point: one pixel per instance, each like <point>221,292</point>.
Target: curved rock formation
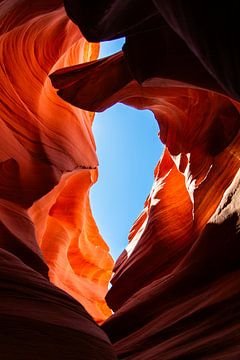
<point>70,242</point>
<point>166,38</point>
<point>176,286</point>
<point>48,164</point>
<point>180,271</point>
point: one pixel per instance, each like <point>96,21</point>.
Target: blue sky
<point>128,149</point>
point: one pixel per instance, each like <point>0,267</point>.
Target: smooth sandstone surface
<point>175,289</point>
<point>49,240</point>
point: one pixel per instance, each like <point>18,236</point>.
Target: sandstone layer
<point>175,289</point>
<point>52,255</point>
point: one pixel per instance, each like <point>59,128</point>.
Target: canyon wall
<point>175,289</point>
<point>48,164</point>
<point>182,261</point>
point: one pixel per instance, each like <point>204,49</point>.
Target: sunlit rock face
<point>186,240</point>
<point>48,164</point>
<point>201,159</point>
<point>175,289</point>
<point>75,252</point>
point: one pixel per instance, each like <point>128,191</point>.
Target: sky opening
<point>128,149</point>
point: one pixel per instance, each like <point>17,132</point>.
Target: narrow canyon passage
<point>128,149</point>
<point>175,291</point>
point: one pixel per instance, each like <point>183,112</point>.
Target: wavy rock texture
<point>187,237</point>
<point>176,286</point>
<point>78,257</point>
<point>48,164</point>
<point>180,271</point>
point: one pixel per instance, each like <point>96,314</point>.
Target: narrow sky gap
<point>128,149</point>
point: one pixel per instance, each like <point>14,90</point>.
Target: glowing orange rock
<point>48,164</point>
<point>181,267</point>
<point>187,238</point>
<point>176,287</point>
<point>69,239</point>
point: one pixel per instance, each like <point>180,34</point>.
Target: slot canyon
<point>175,288</point>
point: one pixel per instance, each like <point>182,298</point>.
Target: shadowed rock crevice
<point>176,286</point>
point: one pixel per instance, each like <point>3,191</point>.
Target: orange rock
<point>78,258</point>
<point>180,270</point>
<point>176,286</point>
<point>48,164</point>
